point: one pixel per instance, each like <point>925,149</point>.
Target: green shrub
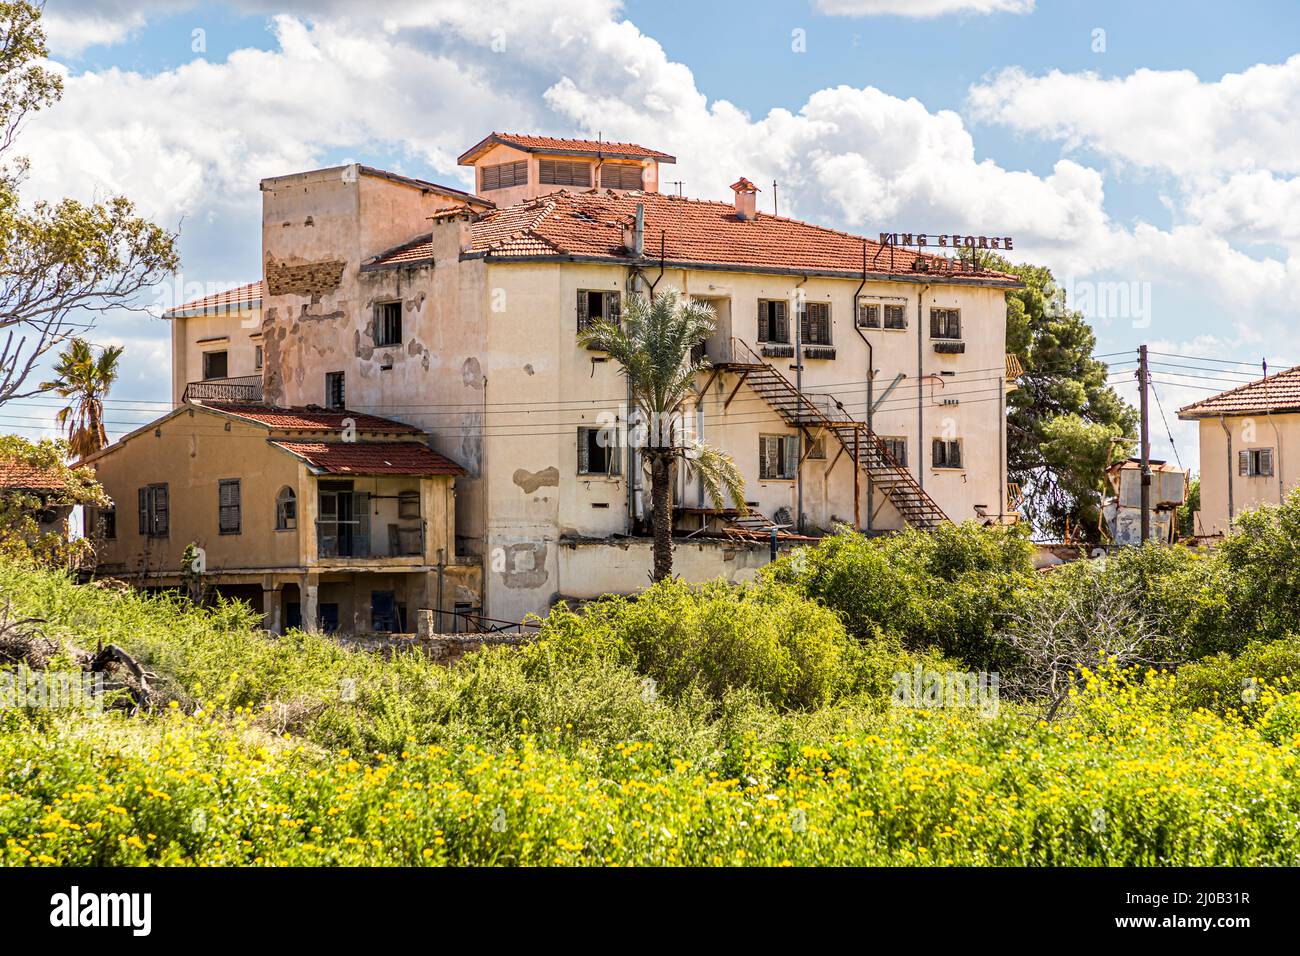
<point>1262,560</point>
<point>1281,722</point>
<point>1246,683</point>
<point>953,588</point>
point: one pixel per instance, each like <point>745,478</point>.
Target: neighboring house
<point>45,488</point>
<point>1250,447</point>
<point>459,315</point>
<point>333,518</point>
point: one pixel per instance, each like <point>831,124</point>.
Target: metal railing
<point>241,389</point>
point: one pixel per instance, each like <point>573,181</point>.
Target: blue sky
<point>1162,155</point>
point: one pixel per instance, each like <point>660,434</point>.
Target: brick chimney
<point>746,198</point>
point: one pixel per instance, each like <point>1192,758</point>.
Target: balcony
<point>242,390</point>
<point>383,525</point>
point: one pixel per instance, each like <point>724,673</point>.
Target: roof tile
<point>1276,393</point>
<point>312,419</point>
<point>372,458</point>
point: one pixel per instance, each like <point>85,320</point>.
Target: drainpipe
<point>871,378</point>
<point>798,387</point>
<point>920,399</point>
<point>1228,432</point>
<point>1277,458</point>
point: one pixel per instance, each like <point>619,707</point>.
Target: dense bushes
<point>953,589</point>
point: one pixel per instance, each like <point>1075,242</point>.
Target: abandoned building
<point>852,382</point>
<point>1248,435</point>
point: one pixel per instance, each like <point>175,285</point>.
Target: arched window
<point>286,509</point>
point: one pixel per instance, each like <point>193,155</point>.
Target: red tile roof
<point>553,144</point>
<point>1277,393</point>
<point>590,225</point>
<point>232,300</point>
<point>372,458</point>
<point>20,476</point>
<point>312,419</point>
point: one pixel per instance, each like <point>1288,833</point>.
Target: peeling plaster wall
<point>589,569</point>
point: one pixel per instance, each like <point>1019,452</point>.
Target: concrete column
<point>271,595</point>
<point>310,588</point>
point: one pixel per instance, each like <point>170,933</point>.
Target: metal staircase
<point>810,410</point>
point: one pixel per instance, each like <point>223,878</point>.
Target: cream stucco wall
<point>1219,468</point>
<point>237,332</point>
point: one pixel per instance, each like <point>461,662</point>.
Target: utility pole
<point>798,415</point>
<point>1144,378</point>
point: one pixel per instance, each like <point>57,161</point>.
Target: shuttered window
<point>877,315</point>
<point>598,452</point>
<point>815,323</point>
<point>388,323</point>
<point>773,325</point>
<point>895,316</point>
<point>945,323</point>
<point>556,172</point>
<point>620,176</point>
<point>228,509</point>
<point>1255,463</point>
<point>778,456</point>
<point>505,175</point>
<point>153,508</point>
<point>897,449</point>
<point>596,305</point>
<point>868,315</point>
<point>335,395</point>
<point>946,454</point>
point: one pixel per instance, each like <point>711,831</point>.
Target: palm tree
<point>84,378</point>
<point>653,346</point>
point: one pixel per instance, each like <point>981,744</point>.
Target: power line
<point>1168,432</point>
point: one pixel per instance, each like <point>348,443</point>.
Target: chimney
<point>746,198</point>
<point>634,232</point>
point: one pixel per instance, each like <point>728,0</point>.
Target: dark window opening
<point>383,611</point>
<point>945,323</point>
<point>100,523</point>
<point>772,323</point>
<point>946,453</point>
<point>897,449</point>
<point>598,452</point>
<point>778,456</point>
<point>215,364</point>
<point>596,306</point>
<point>257,357</point>
<point>286,510</point>
<point>154,511</point>
<point>335,396</point>
<point>815,323</point>
<point>388,323</point>
<point>228,506</point>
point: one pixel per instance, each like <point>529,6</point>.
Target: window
<point>215,364</point>
<point>257,357</point>
<point>946,454</point>
<point>153,511</point>
<point>335,396</point>
<point>408,504</point>
<point>876,315</point>
<point>388,323</point>
<point>556,172</point>
<point>897,449</point>
<point>772,324</point>
<point>228,506</point>
<point>945,323</point>
<point>778,456</point>
<point>815,323</point>
<point>286,509</point>
<point>620,176</point>
<point>595,306</point>
<point>383,611</point>
<point>1255,462</point>
<point>505,175</point>
<point>100,523</point>
<point>597,451</point>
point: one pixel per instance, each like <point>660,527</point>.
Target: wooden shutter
<point>228,507</point>
<point>1243,463</point>
<point>584,316</point>
<point>791,456</point>
<point>935,323</point>
<point>613,308</point>
<point>767,458</point>
<point>144,511</point>
<point>954,454</point>
<point>895,317</point>
<point>160,511</point>
<point>584,458</point>
<point>869,315</point>
<point>1266,461</point>
<point>937,454</point>
<point>361,508</point>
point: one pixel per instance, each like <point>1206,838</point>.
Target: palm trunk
<point>661,485</point>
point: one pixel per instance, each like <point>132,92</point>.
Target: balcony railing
<point>243,389</point>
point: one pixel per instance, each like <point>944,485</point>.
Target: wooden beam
<point>743,375</point>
